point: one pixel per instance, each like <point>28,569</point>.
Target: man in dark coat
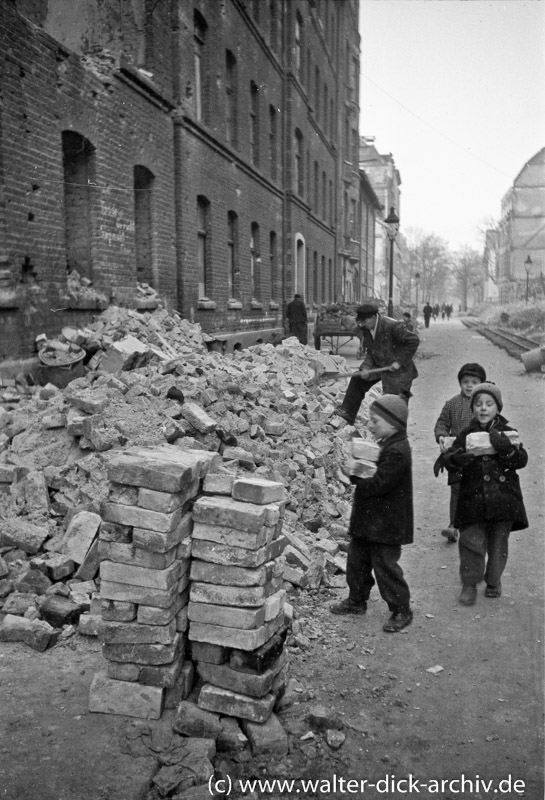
<point>427,311</point>
<point>296,314</point>
<point>387,343</point>
<point>382,519</point>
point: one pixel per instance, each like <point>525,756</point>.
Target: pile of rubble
<point>150,379</point>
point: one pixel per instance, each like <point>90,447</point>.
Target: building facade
<point>521,235</point>
<point>206,149</point>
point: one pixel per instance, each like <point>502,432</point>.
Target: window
<point>331,203</point>
<point>143,227</point>
<point>203,244</point>
<point>273,24</point>
<point>254,123</point>
<point>309,72</point>
<point>233,273</point>
<point>331,297</point>
<point>273,256</point>
<point>326,109</point>
<point>199,35</point>
<point>315,277</point>
<point>323,286</point>
<point>273,142</point>
<point>353,225</point>
<point>324,197</point>
<point>298,43</point>
<point>255,262</point>
<point>299,166</point>
<point>78,155</point>
<point>231,98</point>
<point>345,209</point>
<point>316,205</point>
<point>317,89</point>
<point>331,120</point>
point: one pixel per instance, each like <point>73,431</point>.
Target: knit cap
<point>393,408</point>
<point>487,388</point>
<point>366,310</point>
<point>474,370</point>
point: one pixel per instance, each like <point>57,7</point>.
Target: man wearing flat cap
<point>387,343</point>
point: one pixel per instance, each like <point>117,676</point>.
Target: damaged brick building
<point>207,149</point>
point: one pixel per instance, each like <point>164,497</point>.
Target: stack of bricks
<point>236,608</point>
<point>145,546</point>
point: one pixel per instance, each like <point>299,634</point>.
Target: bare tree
<point>468,271</point>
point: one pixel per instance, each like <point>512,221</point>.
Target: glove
<point>500,442</point>
<point>461,459</point>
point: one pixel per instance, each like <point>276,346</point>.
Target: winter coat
<point>392,342</point>
<point>489,486</point>
<point>455,415</point>
<point>382,510</point>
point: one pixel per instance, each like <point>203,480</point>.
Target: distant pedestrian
<point>427,311</point>
<point>382,519</point>
<point>490,503</point>
<point>456,415</point>
<point>296,314</point>
<point>448,311</point>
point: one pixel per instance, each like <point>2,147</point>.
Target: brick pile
<point>236,608</point>
<point>145,558</point>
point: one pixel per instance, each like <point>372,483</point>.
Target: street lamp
<point>416,280</point>
<point>392,227</point>
<point>527,266</point>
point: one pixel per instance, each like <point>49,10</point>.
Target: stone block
<point>266,738</point>
<point>22,534</point>
<point>59,611</point>
<point>136,517</point>
<point>206,651</point>
<point>252,596</point>
<point>89,624</point>
<point>230,513</point>
<point>90,564</point>
<point>183,686</point>
<point>258,490</point>
<point>194,721</point>
<point>31,580</point>
<point>110,532</point>
<point>226,575</point>
<point>227,554</point>
<point>135,633</point>
<point>142,595</point>
<point>150,615</point>
<point>164,675</point>
<point>227,616</point>
<point>117,611</point>
<point>149,654</point>
<point>163,468</point>
<point>158,542</point>
<point>248,683</point>
<point>135,556</point>
<point>55,565</point>
<point>80,535</point>
<point>184,549</point>
<point>182,620</point>
<point>234,537</point>
<point>231,739</point>
<point>126,495</point>
<point>141,576</point>
<point>18,603</point>
<point>123,672</point>
<point>36,633</point>
<point>218,483</point>
<point>166,502</point>
<point>274,604</point>
<point>222,701</point>
<point>107,696</point>
<point>249,640</point>
<point>198,418</point>
<point>261,659</point>
<point>91,401</point>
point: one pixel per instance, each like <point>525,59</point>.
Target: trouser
<point>427,322</point>
<point>364,559</point>
<point>479,540</point>
<point>454,492</point>
<point>299,329</point>
<point>358,388</point>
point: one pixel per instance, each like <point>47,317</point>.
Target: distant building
<point>206,149</point>
<point>386,181</point>
<point>521,233</point>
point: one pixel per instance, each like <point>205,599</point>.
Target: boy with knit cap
<point>490,503</point>
<point>454,417</point>
<point>382,519</point>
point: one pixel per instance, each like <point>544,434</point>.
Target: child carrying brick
<point>382,519</point>
<point>490,503</point>
<point>454,417</point>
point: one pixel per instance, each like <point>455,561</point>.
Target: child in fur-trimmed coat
<point>490,503</point>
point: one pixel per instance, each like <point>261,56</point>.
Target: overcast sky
<point>455,90</point>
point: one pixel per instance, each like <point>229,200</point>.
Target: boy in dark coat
<point>456,415</point>
<point>382,519</point>
<point>490,503</point>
